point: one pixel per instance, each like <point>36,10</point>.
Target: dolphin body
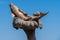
<point>18,12</point>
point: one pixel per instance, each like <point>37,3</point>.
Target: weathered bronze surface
<point>26,22</point>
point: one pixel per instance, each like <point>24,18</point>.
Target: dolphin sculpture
<point>28,23</point>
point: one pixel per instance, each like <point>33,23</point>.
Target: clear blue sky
<point>51,22</point>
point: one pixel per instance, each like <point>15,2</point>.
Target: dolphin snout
<point>11,4</point>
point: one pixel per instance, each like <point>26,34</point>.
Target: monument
<point>26,22</point>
